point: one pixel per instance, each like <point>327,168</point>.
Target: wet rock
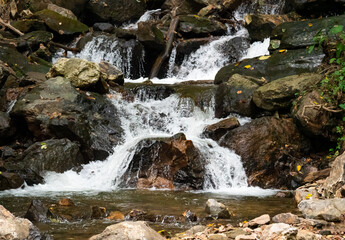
<point>30,177</point>
<point>190,216</point>
<point>279,94</point>
<point>279,65</point>
<point>116,216</point>
<point>59,23</point>
<point>217,209</point>
<point>104,27</point>
<point>35,38</point>
<point>29,25</point>
<point>187,46</point>
<point>111,74</point>
<point>217,130</point>
<point>200,26</point>
<point>307,235</point>
<point>62,11</point>
<point>14,60</point>
<point>12,227</point>
<point>6,128</point>
<point>195,229</point>
<point>235,96</point>
<point>287,218</point>
<point>328,209</point>
<point>55,109</point>
<point>97,212</point>
<point>314,176</point>
<point>260,26</point>
<point>259,221</point>
<point>128,231</point>
<point>333,186</point>
<point>155,92</point>
<point>57,155</point>
<point>10,180</point>
<point>118,11</point>
<point>307,29</point>
<point>315,122</point>
<point>279,231</point>
<point>265,145</point>
<point>37,212</point>
<point>66,202</point>
<point>151,36</point>
<point>165,162</point>
<point>136,215</point>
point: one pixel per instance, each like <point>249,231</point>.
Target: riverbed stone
<point>128,231</point>
<point>279,231</point>
<point>183,7</point>
<point>62,11</point>
<point>118,11</point>
<point>6,128</point>
<point>12,227</point>
<point>305,193</point>
<point>307,235</point>
<point>279,94</point>
<point>261,220</point>
<point>287,218</point>
<point>333,186</point>
<point>151,36</point>
<point>37,212</point>
<point>278,65</point>
<point>235,96</point>
<point>116,216</point>
<point>111,74</point>
<point>327,209</point>
<point>217,209</point>
<point>29,25</point>
<point>199,26</point>
<point>165,163</point>
<point>263,144</point>
<point>10,180</point>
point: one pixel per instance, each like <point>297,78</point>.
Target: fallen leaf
<point>315,103</point>
<point>310,24</point>
<point>282,50</point>
<point>239,92</point>
<point>309,195</point>
<point>299,168</point>
<point>264,57</point>
<point>236,64</point>
<point>247,66</point>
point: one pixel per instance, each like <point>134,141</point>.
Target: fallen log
<point>165,54</point>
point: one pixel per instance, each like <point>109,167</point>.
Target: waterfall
<point>171,64</point>
<point>148,15</point>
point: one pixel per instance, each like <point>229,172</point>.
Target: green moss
<point>60,23</point>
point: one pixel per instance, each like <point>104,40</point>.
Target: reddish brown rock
<point>116,215</point>
<point>217,130</point>
<point>66,202</point>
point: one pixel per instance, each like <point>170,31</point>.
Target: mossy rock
<point>193,24</point>
<point>59,23</point>
<point>38,37</point>
<point>278,65</point>
<point>28,25</point>
<point>287,32</point>
<point>14,59</point>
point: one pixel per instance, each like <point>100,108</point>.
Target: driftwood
<point>165,54</point>
<point>3,23</point>
<point>59,45</point>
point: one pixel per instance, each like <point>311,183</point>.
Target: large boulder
<point>279,94</point>
<point>200,26</point>
<point>118,11</point>
<point>235,96</point>
<point>10,180</point>
<point>12,227</point>
<point>18,62</point>
<point>57,155</point>
<point>165,163</point>
<point>328,209</point>
<point>216,130</point>
<point>315,8</point>
<point>278,231</point>
<point>182,7</point>
<point>314,121</point>
<point>278,65</point>
<point>150,36</point>
<point>334,184</point>
<point>128,231</point>
<point>55,109</point>
<point>60,24</point>
<point>266,145</point>
<point>7,129</point>
<point>307,30</point>
<point>29,25</point>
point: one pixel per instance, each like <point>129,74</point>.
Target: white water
<point>148,15</point>
<point>140,120</point>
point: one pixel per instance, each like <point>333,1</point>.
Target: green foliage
<point>333,85</point>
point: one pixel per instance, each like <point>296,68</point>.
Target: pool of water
<point>161,203</point>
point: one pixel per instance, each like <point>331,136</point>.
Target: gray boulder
<point>328,209</point>
<point>334,184</point>
<point>217,209</point>
<point>128,231</point>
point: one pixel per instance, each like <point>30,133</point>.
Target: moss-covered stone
<point>28,25</point>
<point>193,24</point>
<point>37,37</point>
<point>14,59</point>
<point>280,64</point>
<point>59,23</point>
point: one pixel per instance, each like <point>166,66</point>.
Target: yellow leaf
<point>247,66</point>
<point>310,24</point>
<point>236,64</point>
<point>44,147</point>
<point>282,50</point>
<point>309,195</point>
<point>161,231</point>
<point>239,92</point>
<point>244,222</point>
<point>315,103</point>
<point>264,57</point>
<point>299,168</point>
